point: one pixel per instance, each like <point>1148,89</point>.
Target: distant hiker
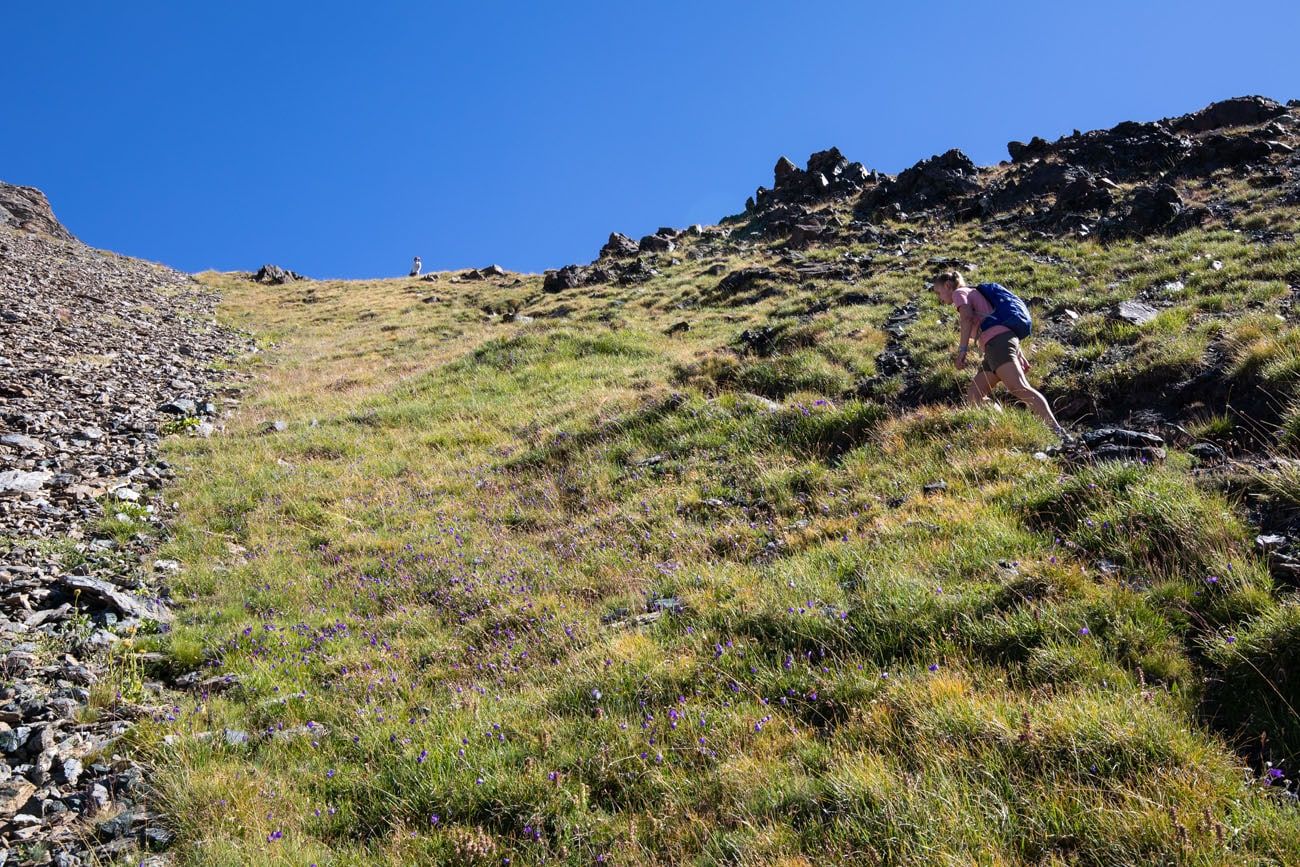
<point>416,266</point>
<point>999,320</point>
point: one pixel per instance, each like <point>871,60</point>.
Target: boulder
<point>568,277</point>
<point>786,174</point>
<point>619,246</point>
<point>1157,208</point>
<point>803,234</point>
<point>111,596</point>
<point>1220,150</point>
<point>484,273</point>
<point>1021,152</point>
<point>1085,191</point>
<point>656,244</point>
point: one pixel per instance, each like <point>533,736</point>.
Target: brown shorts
<point>999,350</point>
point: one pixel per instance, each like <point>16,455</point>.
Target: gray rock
<point>20,481</point>
<point>110,595</point>
<point>69,771</point>
<point>1135,312</point>
<point>23,443</point>
<point>180,406</point>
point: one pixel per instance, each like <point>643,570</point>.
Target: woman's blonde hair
<point>953,277</point>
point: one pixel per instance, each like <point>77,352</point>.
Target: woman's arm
<point>968,325</point>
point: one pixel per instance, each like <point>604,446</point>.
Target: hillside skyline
<point>347,146</point>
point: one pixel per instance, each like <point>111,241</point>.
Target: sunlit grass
<point>572,589</point>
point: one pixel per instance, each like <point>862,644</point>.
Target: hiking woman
<point>998,319</point>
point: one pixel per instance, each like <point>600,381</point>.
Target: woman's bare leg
<point>1013,377</point>
<point>981,387</point>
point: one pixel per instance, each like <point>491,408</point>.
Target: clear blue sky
<point>342,138</point>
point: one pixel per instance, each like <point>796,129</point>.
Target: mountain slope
<point>684,556</point>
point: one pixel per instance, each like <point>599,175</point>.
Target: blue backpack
<point>1008,310</point>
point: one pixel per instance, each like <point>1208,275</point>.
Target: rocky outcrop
<point>619,246</point>
<point>26,208</point>
<point>828,175</point>
<point>274,275</point>
<point>575,276</point>
<point>489,272</point>
<point>1158,208</point>
<point>101,353</point>
<point>1239,111</point>
<point>949,180</point>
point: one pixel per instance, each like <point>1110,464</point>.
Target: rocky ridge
<point>101,355</point>
<point>1126,181</point>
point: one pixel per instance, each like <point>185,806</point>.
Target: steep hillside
<point>687,555</point>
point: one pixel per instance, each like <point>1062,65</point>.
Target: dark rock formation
<point>656,243</point>
<point>1239,111</point>
<point>828,175</point>
<point>274,275</point>
<point>1152,209</point>
<point>619,246</point>
<point>949,180</point>
<point>484,273</point>
<point>27,208</point>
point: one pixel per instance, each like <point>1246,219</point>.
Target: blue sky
<point>340,139</point>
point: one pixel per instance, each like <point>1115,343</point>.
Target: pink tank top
<point>981,307</point>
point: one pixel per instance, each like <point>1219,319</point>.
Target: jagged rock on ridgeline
<point>28,209</point>
<point>656,243</point>
<point>1238,111</point>
<point>828,175</point>
<point>568,277</point>
<point>274,275</point>
<point>619,246</point>
<point>484,273</point>
<point>949,180</point>
<point>1021,152</point>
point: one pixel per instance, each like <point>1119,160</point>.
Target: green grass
<point>574,590</point>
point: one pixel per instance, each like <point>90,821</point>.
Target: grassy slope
<point>425,583</point>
